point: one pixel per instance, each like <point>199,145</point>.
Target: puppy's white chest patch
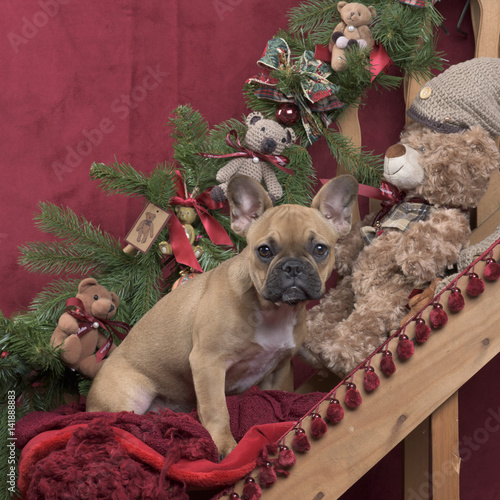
<point>273,342</point>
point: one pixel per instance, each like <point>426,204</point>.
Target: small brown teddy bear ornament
<point>440,168</point>
<point>79,338</point>
<point>263,136</point>
<point>352,31</point>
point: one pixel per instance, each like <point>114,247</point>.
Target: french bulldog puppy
<point>237,325</point>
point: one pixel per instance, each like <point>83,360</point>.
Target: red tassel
<point>370,380</point>
<point>352,397</point>
<point>492,270</point>
<point>286,457</point>
<point>318,426</point>
<point>251,490</point>
<point>387,364</point>
<point>438,317</point>
<point>456,301</point>
<point>475,286</point>
<point>334,412</point>
<point>405,347</point>
<point>267,475</point>
<point>422,331</point>
<point>300,443</point>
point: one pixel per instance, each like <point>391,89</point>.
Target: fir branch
<point>49,304</point>
<point>116,178</point>
<point>55,258</point>
<point>119,178</point>
<point>297,187</point>
<point>161,186</point>
<point>366,167</point>
<point>311,15</point>
<point>146,283</point>
<point>66,225</point>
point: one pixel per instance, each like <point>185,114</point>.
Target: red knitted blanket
<point>69,453</point>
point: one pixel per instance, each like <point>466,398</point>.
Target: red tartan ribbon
<point>181,247</point>
<point>86,322</point>
<point>278,161</point>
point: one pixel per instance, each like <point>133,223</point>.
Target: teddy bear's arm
<point>347,248</point>
<point>429,247</point>
<point>273,186</point>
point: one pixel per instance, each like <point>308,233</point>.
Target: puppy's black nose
<point>293,268</point>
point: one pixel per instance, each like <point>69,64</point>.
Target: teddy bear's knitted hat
<point>464,95</point>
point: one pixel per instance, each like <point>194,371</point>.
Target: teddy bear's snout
<point>268,145</point>
<point>395,151</point>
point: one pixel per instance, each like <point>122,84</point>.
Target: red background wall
<point>85,81</point>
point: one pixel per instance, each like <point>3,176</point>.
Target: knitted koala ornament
<point>437,172</point>
<point>263,136</point>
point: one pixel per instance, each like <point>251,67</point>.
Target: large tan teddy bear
<point>263,136</point>
<point>78,352</point>
<point>443,164</point>
<point>353,30</point>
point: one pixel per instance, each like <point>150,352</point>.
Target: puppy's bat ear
<point>248,200</point>
<point>336,199</point>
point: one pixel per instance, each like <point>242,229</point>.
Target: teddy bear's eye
<point>263,129</point>
<point>96,297</point>
<point>283,140</point>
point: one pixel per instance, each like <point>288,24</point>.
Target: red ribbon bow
<point>86,322</point>
<point>278,161</point>
<point>181,247</point>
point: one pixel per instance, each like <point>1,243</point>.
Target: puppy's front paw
<point>225,444</point>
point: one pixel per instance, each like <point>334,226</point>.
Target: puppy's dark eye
<point>96,297</point>
<point>264,252</point>
<point>320,250</point>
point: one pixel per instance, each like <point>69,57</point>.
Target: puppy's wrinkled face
<point>291,253</point>
<point>290,247</point>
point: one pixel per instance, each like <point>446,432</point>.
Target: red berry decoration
<point>422,331</point>
<point>5,354</point>
<point>405,347</point>
<point>318,426</point>
<point>475,286</point>
<point>287,114</point>
<point>267,475</point>
<point>251,490</point>
<point>334,412</point>
<point>300,443</point>
<point>456,300</point>
<point>492,270</point>
<point>371,380</point>
<point>352,397</point>
<point>286,457</point>
<point>438,317</point>
<point>387,363</point>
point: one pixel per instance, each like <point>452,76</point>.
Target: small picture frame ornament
<point>147,227</point>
